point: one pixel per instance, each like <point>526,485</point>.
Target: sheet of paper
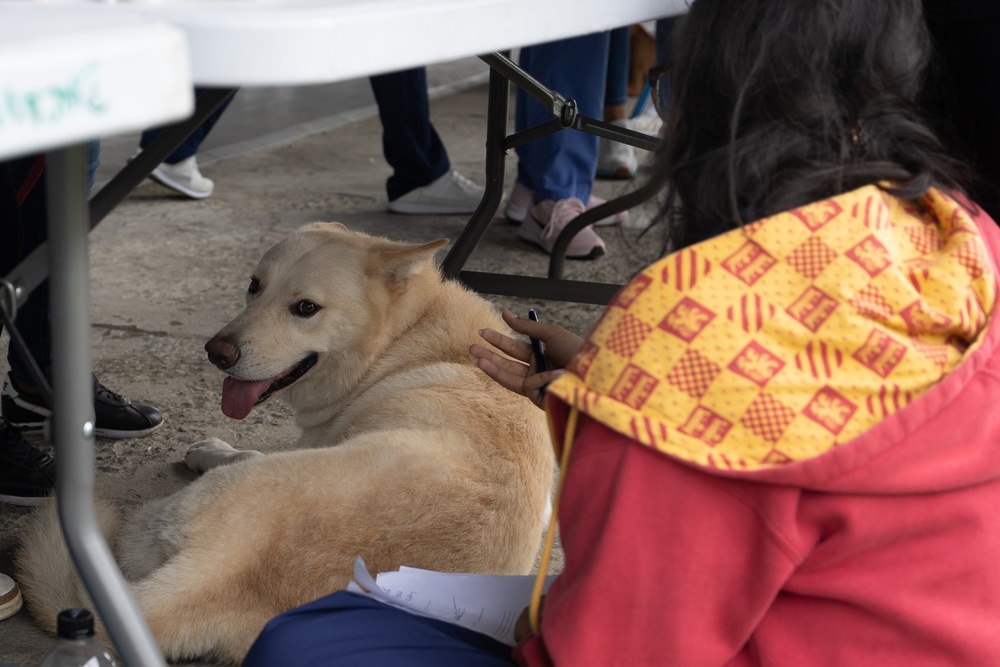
<point>486,603</point>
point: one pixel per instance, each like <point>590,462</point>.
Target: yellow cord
<point>550,537</point>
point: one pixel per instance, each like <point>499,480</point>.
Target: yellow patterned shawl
<point>777,342</point>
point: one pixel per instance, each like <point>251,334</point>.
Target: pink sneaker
<point>521,198</point>
<point>545,220</point>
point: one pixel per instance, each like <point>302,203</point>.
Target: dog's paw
<point>212,453</point>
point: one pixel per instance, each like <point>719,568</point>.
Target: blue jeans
<point>410,143</point>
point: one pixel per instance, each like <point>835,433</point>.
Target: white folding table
<point>140,71</point>
<point>290,42</point>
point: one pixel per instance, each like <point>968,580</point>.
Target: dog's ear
<point>396,262</point>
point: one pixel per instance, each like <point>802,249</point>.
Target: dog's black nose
<point>222,353</point>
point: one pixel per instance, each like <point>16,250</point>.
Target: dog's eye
<point>305,308</point>
<point>254,286</point>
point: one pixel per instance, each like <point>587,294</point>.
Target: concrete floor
<point>167,272</point>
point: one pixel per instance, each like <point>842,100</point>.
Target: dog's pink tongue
<point>239,396</point>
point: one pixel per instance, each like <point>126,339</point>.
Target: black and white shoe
<point>117,416</point>
<point>27,474</point>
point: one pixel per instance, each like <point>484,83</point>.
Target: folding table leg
<point>503,72</point>
<point>496,131</point>
<point>73,410</point>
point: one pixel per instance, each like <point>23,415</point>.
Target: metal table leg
<point>73,410</point>
<point>503,71</point>
<point>496,130</point>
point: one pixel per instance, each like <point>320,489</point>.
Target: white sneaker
<point>185,178</point>
<point>615,159</point>
<point>547,219</point>
<point>521,199</point>
<point>449,194</point>
<point>10,597</point>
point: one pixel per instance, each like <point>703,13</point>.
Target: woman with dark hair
<point>793,102</point>
<point>778,446</point>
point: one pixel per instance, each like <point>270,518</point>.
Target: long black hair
<point>778,103</point>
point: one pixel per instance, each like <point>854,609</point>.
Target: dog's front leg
<point>212,453</point>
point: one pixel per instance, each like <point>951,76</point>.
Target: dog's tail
<point>44,569</point>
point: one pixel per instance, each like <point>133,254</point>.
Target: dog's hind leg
<point>212,453</point>
<point>202,613</point>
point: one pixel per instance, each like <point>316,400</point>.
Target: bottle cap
<point>75,623</point>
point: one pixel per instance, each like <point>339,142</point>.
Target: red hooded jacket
<point>881,551</point>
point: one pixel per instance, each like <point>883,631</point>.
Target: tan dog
<point>409,455</point>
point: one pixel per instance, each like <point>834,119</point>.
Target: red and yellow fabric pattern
<point>777,342</point>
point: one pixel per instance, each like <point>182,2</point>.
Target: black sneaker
<point>27,474</point>
<point>117,416</point>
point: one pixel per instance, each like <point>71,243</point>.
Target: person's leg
<point>616,86</point>
<point>410,143</point>
<point>351,630</point>
<point>32,319</point>
<point>664,43</point>
<point>33,315</point>
<point>11,231</point>
<point>522,195</point>
<point>21,404</point>
<point>27,474</point>
<point>180,170</point>
<point>562,165</point>
<point>615,159</point>
<point>190,146</point>
<point>422,180</point>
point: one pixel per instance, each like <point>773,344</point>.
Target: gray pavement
<point>168,272</point>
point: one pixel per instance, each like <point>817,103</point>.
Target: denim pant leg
<point>562,165</point>
<point>410,143</point>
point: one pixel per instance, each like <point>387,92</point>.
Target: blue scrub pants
<point>563,164</point>
<point>350,630</point>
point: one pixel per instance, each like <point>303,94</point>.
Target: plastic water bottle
<point>75,645</point>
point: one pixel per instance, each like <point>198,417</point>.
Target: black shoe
<point>27,474</point>
<point>117,416</point>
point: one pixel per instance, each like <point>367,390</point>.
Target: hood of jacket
<point>844,346</point>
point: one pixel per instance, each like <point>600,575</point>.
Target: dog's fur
<point>409,455</point>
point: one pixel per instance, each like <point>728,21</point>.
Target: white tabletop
<point>291,42</point>
<point>68,75</point>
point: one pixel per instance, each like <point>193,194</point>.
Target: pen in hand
<point>536,348</point>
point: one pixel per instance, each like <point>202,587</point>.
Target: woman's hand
<point>516,369</point>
